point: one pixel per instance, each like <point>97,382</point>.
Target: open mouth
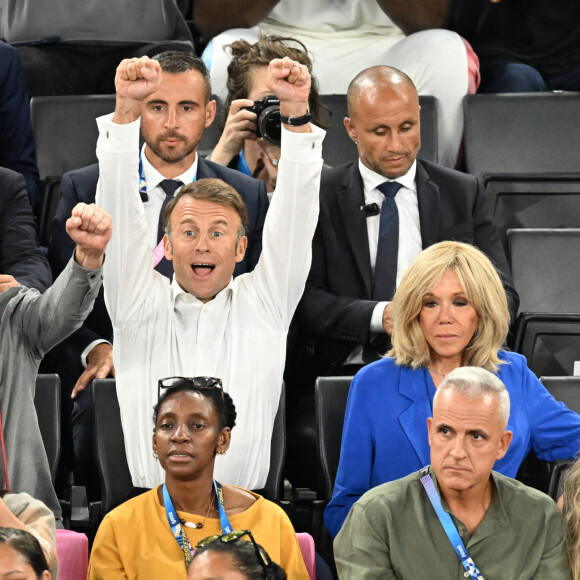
<point>202,269</point>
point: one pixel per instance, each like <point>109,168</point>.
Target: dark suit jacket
<point>20,254</point>
<point>81,186</point>
<point>17,150</point>
<point>336,308</point>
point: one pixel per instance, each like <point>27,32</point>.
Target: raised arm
<point>287,238</point>
<point>128,271</point>
<point>47,319</point>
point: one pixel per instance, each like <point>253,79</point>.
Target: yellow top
<point>135,540</point>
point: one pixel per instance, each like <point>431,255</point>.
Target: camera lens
<point>270,126</point>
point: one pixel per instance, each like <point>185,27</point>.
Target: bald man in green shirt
<point>456,518</point>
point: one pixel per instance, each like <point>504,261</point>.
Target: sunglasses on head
<point>234,536</point>
<point>191,382</point>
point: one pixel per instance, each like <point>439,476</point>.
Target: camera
<point>269,124</point>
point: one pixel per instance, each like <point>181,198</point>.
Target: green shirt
<point>392,531</point>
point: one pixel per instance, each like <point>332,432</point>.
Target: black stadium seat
<point>522,133</point>
<point>330,396</point>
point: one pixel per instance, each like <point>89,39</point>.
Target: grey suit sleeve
<point>47,319</point>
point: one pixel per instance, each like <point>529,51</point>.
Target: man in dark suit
<point>17,150</point>
<point>359,256</point>
<point>20,254</point>
<point>172,123</point>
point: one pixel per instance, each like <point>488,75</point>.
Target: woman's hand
<point>267,165</point>
<point>240,125</point>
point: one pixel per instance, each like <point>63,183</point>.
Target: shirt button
<point>466,574</point>
<point>203,345</point>
<point>461,534</point>
<point>205,310</point>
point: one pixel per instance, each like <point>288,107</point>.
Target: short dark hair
<point>214,190</point>
<point>246,55</point>
<point>175,62</point>
<point>244,558</point>
<point>223,405</point>
<point>27,546</point>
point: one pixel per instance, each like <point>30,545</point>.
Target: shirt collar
<point>371,179</point>
<point>154,178</point>
<point>177,292</point>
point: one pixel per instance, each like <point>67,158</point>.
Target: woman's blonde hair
<point>571,514</point>
<point>483,288</point>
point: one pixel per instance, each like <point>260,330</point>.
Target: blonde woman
<point>449,310</point>
<point>571,512</point>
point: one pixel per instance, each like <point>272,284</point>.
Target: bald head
<point>383,121</point>
<point>373,82</point>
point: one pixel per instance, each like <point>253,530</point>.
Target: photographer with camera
<point>250,140</point>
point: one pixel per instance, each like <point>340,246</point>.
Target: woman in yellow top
<point>152,536</point>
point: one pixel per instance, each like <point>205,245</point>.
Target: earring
<point>155,456</point>
<point>221,453</point>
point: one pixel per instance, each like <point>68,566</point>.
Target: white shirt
<point>239,336</point>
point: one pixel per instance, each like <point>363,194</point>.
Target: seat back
<point>308,550</point>
<point>72,549</point>
<point>339,148</point>
<point>47,405</point>
<point>564,389</point>
<point>274,483</point>
<point>330,396</point>
<point>65,131</point>
<point>109,446</point>
<point>521,133</point>
<point>550,342</point>
<point>544,269</point>
<point>546,201</point>
<point>111,459</point>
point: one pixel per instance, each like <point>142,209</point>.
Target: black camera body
<point>269,123</point>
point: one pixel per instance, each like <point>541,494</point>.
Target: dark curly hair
<point>244,560</point>
<point>224,406</point>
<point>245,56</point>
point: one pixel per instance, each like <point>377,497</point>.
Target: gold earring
<point>155,456</point>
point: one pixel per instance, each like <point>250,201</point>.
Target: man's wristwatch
<point>296,121</point>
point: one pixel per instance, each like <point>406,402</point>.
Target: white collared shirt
<point>156,195</point>
<point>239,336</point>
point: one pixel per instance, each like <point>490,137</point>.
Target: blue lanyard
<point>177,527</point>
<point>143,183</point>
<point>449,527</point>
<point>243,164</point>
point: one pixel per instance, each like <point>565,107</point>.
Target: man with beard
<point>173,120</point>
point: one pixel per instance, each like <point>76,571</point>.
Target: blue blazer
<point>385,430</point>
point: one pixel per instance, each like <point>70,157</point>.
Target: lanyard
<point>243,164</point>
<point>177,527</point>
<point>449,527</point>
<point>158,252</point>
